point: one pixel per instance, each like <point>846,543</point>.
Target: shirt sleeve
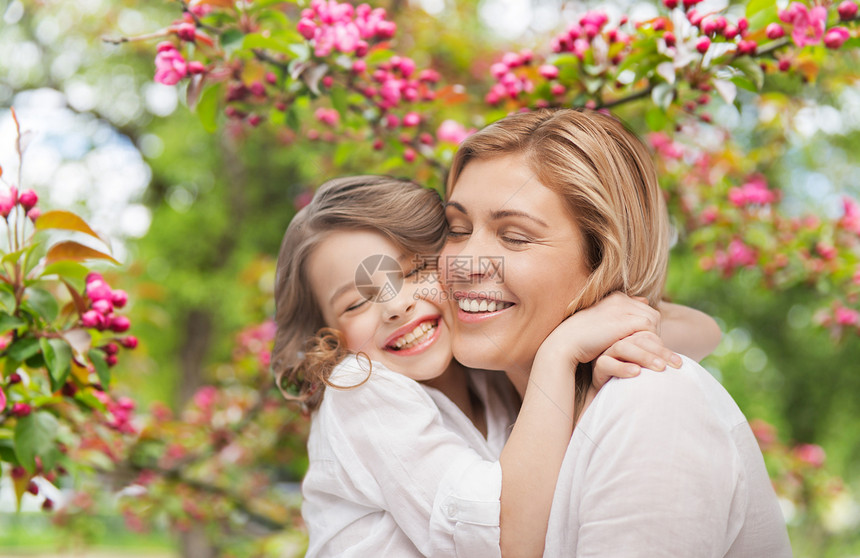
<point>390,435</point>
<point>665,479</point>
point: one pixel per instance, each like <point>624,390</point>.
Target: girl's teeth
<point>417,335</point>
<point>483,306</point>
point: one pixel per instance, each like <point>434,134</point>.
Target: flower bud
<point>119,298</point>
<point>69,389</point>
<point>34,214</point>
<point>98,290</point>
<point>14,378</point>
<point>409,155</point>
<point>548,71</point>
<point>111,360</point>
<point>28,199</point>
<point>103,307</point>
<point>670,4</point>
<point>774,31</point>
<point>21,409</point>
<point>18,472</point>
<point>91,318</point>
<point>110,348</point>
<point>33,488</point>
<point>834,38</point>
<point>129,342</point>
<point>847,10</point>
<point>747,47</point>
<point>119,324</point>
<point>307,28</point>
<point>703,44</point>
<point>411,119</point>
<point>186,31</point>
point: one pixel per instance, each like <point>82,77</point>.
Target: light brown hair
<point>608,181</point>
<point>407,214</point>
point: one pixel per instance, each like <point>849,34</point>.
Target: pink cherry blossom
<point>754,192</point>
<point>851,218</point>
<point>811,454</point>
<point>329,117</point>
<point>453,132</point>
<point>170,66</point>
<point>846,316</point>
<point>7,202</point>
<point>808,24</point>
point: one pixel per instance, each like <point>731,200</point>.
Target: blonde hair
<point>606,176</point>
<point>407,214</point>
<point>607,179</point>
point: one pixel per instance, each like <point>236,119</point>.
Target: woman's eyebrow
<point>502,213</point>
<point>456,206</point>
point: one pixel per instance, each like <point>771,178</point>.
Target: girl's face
<point>513,245</point>
<point>369,290</point>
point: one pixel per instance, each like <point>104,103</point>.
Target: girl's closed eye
<point>356,305</point>
<point>458,233</point>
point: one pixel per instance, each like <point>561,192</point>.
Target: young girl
<point>398,467</point>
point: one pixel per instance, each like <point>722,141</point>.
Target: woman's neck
<point>454,384</point>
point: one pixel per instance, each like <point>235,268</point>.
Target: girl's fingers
<point>606,367</point>
<point>652,343</point>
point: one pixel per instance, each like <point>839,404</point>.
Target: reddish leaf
<point>65,220</point>
<point>80,303</point>
<point>70,250</point>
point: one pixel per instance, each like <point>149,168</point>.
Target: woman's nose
<point>471,262</point>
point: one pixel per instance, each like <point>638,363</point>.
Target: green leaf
<point>7,297</point>
<point>35,435</point>
<point>338,100</point>
<point>751,69</point>
<point>102,369</point>
<point>231,39</point>
<point>67,269</point>
<point>8,322</point>
<point>207,108</point>
<point>656,118</point>
<point>22,349</point>
<point>257,41</point>
<point>58,359</point>
<point>293,120</point>
<point>43,302</point>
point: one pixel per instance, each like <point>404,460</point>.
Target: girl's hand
<point>605,329</point>
<point>626,357</point>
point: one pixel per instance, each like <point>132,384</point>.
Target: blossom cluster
<point>27,200</point>
<point>331,25</point>
<point>171,66</point>
<point>100,314</point>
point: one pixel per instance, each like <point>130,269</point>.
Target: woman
<point>549,212</point>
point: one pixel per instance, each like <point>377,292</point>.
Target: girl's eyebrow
<point>402,259</point>
<point>342,289</point>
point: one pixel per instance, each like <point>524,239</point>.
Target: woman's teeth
<point>421,333</point>
<point>482,305</point>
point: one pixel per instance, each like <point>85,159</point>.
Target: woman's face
<point>371,292</point>
<point>513,262</point>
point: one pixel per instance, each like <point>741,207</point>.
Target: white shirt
<point>665,465</point>
<point>396,469</point>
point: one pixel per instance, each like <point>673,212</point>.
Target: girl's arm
<point>533,455</point>
<point>688,331</point>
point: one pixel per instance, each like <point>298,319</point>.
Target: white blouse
<point>665,465</point>
<point>396,469</point>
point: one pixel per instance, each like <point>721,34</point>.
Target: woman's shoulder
<point>688,393</point>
